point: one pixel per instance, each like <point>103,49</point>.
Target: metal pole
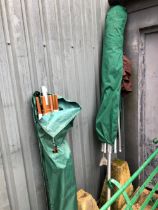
<point>103,147</point>
<point>115,146</point>
<point>109,153</point>
<point>119,134</point>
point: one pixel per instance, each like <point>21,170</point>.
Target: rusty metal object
<point>127,70</point>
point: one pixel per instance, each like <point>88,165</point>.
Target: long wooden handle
<point>50,103</point>
<point>38,106</point>
<point>44,105</point>
<point>55,103</point>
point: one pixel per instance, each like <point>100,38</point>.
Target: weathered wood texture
<point>56,43</point>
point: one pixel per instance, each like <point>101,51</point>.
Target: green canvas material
<point>58,168</point>
<point>112,72</point>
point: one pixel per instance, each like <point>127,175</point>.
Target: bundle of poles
<point>46,103</point>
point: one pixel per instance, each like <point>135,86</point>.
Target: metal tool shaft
<point>109,153</point>
<point>119,134</point>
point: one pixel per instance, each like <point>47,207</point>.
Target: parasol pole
<point>109,154</point>
<point>119,133</point>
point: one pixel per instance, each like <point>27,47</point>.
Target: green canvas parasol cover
<point>112,71</point>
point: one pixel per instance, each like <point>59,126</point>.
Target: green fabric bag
<point>58,168</point>
<point>112,72</point>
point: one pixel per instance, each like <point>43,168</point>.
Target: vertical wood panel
<point>56,43</point>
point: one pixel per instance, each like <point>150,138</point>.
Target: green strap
<point>155,205</point>
<point>118,185</point>
<point>149,197</point>
<point>141,189</point>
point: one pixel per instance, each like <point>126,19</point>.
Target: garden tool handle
<point>39,110</point>
<point>50,103</point>
<point>55,103</point>
<point>44,106</point>
<point>38,106</point>
<point>45,93</point>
